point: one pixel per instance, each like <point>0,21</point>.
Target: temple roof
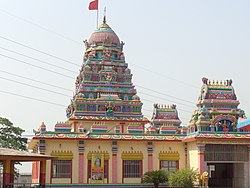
<point>22,155</point>
<point>103,33</point>
<point>165,114</point>
<point>217,90</point>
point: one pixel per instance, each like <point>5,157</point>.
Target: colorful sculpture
<point>217,108</point>
<point>165,120</point>
<point>103,87</point>
<point>204,179</point>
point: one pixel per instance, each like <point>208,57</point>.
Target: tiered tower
<point>217,108</point>
<point>165,120</point>
<point>103,88</point>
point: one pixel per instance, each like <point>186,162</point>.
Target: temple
<point>107,140</point>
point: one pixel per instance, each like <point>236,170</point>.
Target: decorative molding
<point>150,148</point>
<point>62,155</point>
<point>169,155</point>
<point>201,148</point>
<point>81,147</point>
<point>132,155</point>
<point>106,154</point>
<point>42,147</point>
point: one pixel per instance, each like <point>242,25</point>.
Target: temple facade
<point>107,140</point>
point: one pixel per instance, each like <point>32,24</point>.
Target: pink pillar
<point>35,171</point>
<point>81,168</point>
<point>150,162</point>
<point>201,164</point>
<point>114,168</point>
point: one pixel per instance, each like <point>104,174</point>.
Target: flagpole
<point>97,12</point>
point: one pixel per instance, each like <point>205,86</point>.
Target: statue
<point>109,109</point>
<point>92,54</point>
<point>108,78</point>
<point>204,179</point>
<point>86,44</point>
<point>122,57</point>
<point>70,110</point>
<point>173,106</point>
<point>122,44</point>
<point>204,80</point>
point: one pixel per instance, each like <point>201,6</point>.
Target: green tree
<point>11,136</point>
<point>184,178</point>
<point>155,177</point>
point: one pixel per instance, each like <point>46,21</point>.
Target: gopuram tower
<point>103,88</point>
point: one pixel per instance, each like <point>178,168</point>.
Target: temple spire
<point>104,17</point>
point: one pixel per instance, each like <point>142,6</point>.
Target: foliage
<point>11,136</point>
<point>156,177</point>
<point>183,177</point>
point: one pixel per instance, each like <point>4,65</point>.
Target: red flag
<point>93,5</point>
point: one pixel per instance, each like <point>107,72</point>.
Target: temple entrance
<point>227,165</point>
<point>220,175</point>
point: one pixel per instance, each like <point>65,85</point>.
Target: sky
<point>169,47</point>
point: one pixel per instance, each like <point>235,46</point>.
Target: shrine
<point>107,140</point>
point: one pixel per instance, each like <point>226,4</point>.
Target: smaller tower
<point>217,108</point>
<point>165,120</point>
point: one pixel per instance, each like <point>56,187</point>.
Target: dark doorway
<point>221,175</point>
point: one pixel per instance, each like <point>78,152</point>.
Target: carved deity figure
<point>70,110</point>
<point>106,54</point>
<point>86,44</point>
<point>122,57</point>
<point>122,44</point>
<point>108,78</point>
<point>109,109</point>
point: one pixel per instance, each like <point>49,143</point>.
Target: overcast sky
<point>169,46</point>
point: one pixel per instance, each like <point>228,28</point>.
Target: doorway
<point>221,175</point>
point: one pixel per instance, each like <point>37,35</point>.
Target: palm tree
<point>156,177</point>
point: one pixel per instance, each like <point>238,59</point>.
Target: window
<point>61,169</point>
<point>132,168</point>
<point>169,166</point>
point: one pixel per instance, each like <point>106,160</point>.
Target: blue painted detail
<point>135,131</point>
<point>98,131</point>
<point>243,124</point>
<point>63,130</point>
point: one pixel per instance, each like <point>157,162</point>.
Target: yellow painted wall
<point>61,145</point>
<point>168,146</point>
<point>61,180</point>
<point>48,170</point>
<point>123,146</point>
<point>192,154</point>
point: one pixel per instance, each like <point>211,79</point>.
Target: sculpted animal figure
<point>204,179</point>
